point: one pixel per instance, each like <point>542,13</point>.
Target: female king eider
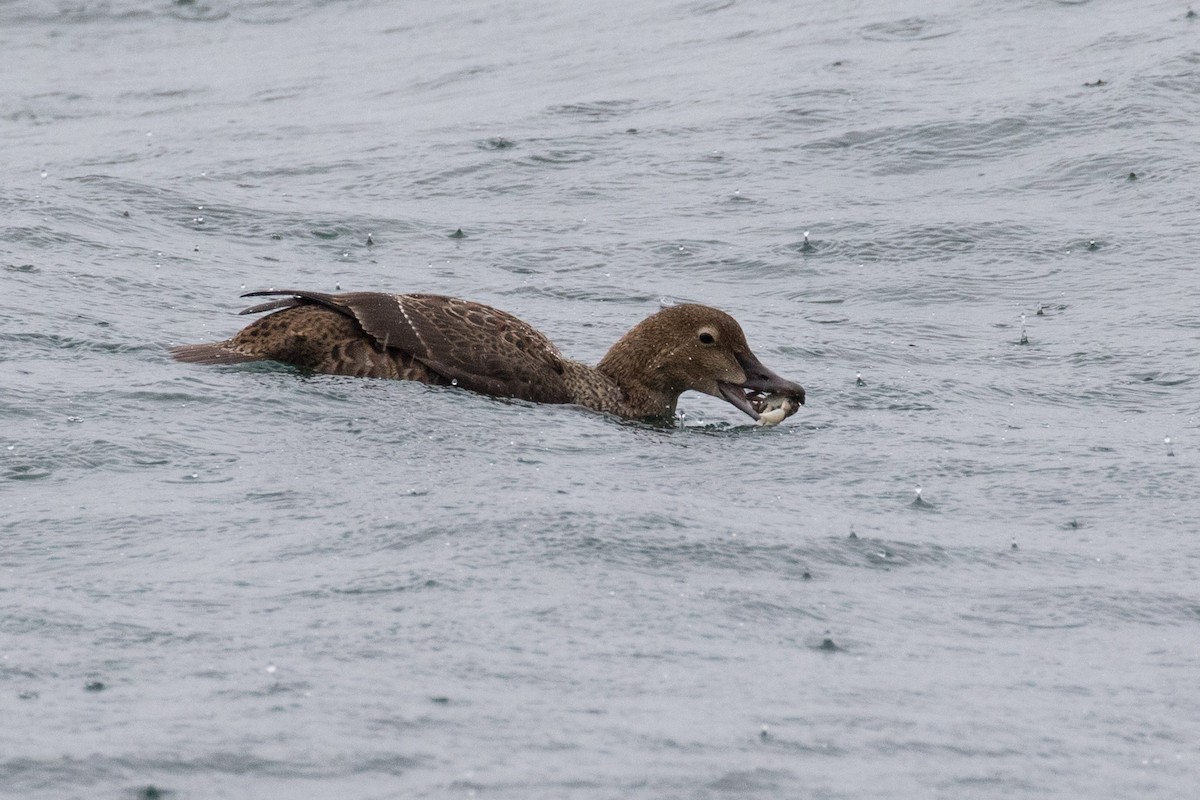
<point>447,341</point>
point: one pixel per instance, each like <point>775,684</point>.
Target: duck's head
<point>699,348</point>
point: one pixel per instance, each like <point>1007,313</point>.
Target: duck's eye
<point>707,338</point>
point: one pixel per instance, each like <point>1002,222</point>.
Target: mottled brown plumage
<point>447,341</point>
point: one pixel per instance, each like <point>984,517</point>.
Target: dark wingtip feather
<point>273,305</point>
<point>289,298</point>
<point>218,353</point>
<point>265,293</point>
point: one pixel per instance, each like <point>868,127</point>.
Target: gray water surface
<point>968,228</point>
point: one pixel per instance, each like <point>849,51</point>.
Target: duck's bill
<point>764,394</point>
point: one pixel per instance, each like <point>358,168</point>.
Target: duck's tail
<point>215,353</point>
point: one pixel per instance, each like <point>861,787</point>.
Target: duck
<point>447,341</point>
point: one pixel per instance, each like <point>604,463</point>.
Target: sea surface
<point>968,568</point>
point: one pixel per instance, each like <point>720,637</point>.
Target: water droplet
<point>45,173</point>
<point>270,669</point>
<point>920,502</point>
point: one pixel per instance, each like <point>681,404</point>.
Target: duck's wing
<point>471,344</point>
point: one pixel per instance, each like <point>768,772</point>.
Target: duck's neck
<point>632,364</point>
<point>601,389</point>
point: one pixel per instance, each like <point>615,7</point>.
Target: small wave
<point>909,29</point>
<point>599,111</point>
<point>1078,606</point>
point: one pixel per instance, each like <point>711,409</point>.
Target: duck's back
<point>429,338</point>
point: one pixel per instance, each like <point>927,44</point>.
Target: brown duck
<point>447,341</point>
